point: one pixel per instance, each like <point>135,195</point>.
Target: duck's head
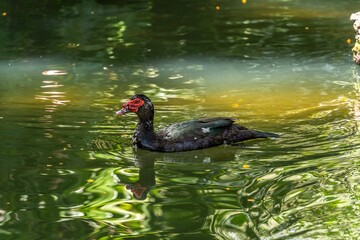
<point>139,104</point>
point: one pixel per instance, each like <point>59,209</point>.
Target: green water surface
<point>67,166</point>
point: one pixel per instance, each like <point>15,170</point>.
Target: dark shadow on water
<point>145,161</point>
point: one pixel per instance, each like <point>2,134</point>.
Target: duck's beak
<point>122,111</point>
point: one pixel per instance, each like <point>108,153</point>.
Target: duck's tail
<point>266,135</point>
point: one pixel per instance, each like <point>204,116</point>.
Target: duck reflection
<point>140,188</point>
<point>145,161</point>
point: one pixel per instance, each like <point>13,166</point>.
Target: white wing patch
<point>205,130</point>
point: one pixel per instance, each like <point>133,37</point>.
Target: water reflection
<point>145,162</point>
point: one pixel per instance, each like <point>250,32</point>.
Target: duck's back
<point>203,133</point>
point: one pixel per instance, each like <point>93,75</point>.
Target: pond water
<point>68,169</point>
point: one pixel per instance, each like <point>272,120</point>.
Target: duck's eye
<point>136,101</point>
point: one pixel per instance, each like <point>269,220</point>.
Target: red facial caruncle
<point>134,104</point>
<point>131,106</point>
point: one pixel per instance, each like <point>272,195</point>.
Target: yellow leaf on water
<point>243,1</point>
<point>90,180</point>
<point>251,200</point>
<point>348,41</point>
<point>246,166</point>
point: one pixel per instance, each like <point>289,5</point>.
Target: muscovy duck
<point>184,136</point>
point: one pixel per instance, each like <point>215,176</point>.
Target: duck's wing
<point>196,129</point>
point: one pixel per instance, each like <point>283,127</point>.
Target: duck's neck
<point>145,125</point>
<point>144,135</point>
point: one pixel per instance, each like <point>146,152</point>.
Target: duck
<point>184,136</point>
